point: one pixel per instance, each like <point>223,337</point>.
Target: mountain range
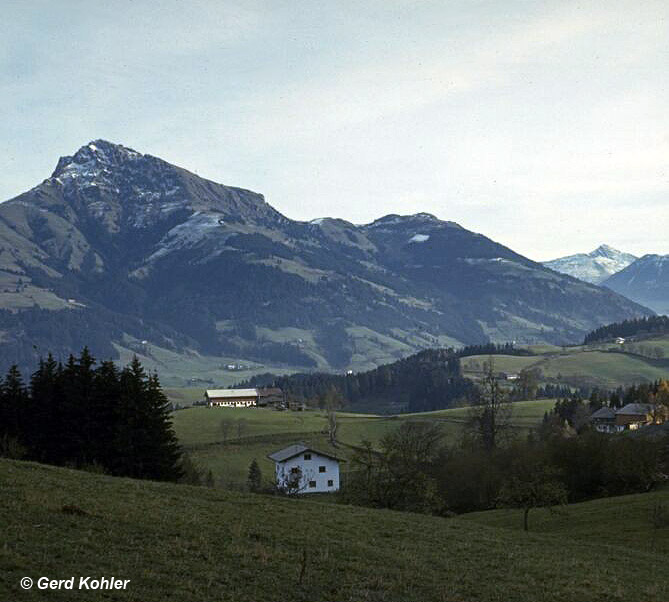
<point>645,281</point>
<point>122,250</point>
<point>642,279</point>
<point>594,267</point>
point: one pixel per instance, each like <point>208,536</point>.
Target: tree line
<point>428,380</point>
<point>492,466</point>
<point>628,328</point>
<point>88,415</point>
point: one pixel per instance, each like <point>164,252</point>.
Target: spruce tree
<point>255,476</point>
<point>104,405</point>
<point>45,398</point>
<point>14,415</point>
<point>162,443</point>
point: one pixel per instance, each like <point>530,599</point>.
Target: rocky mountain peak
<point>605,250</point>
<point>93,157</point>
<point>594,267</point>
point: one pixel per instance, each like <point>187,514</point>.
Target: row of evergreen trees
<point>428,380</point>
<point>85,415</point>
<point>628,328</point>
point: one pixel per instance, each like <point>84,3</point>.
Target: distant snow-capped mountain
<point>645,281</point>
<point>593,267</point>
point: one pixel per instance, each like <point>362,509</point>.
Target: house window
<point>312,484</point>
<point>321,469</point>
<point>307,456</point>
<point>330,483</point>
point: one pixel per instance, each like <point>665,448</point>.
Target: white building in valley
<point>231,398</point>
<point>302,469</point>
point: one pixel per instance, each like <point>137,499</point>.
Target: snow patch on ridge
<point>194,230</point>
<point>419,238</point>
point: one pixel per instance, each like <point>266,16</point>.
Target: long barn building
<point>231,398</point>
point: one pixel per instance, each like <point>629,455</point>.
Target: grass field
<point>612,521</point>
<point>175,542</point>
<point>591,366</point>
<point>228,453</point>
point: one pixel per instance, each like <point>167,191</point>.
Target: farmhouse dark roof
<point>604,413</point>
<point>267,391</point>
<point>295,450</point>
<point>636,409</point>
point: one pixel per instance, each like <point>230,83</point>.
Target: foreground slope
<point>182,543</point>
<point>626,520</point>
<point>121,250</point>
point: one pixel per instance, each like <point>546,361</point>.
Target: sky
<point>542,125</point>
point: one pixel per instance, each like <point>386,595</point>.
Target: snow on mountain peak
<point>91,159</point>
<point>594,267</point>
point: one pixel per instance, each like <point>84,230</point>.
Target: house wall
<point>630,419</point>
<point>310,472</point>
<point>232,402</point>
<point>609,426</point>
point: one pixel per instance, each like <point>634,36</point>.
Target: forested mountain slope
<point>121,247</point>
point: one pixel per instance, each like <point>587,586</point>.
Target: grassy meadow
<point>176,542</point>
<point>256,432</point>
<point>604,365</point>
<point>624,520</point>
<point>227,452</point>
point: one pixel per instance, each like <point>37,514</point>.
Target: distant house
<point>231,398</point>
<point>629,417</point>
<point>506,376</point>
<point>634,415</point>
<point>303,469</point>
<point>271,396</point>
<point>620,340</point>
<point>604,420</point>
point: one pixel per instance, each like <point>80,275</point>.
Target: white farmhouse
<point>306,470</point>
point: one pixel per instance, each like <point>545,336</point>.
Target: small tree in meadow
<point>534,487</point>
<point>255,476</point>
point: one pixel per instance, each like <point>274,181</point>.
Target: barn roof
<point>604,413</point>
<point>267,391</point>
<point>232,393</point>
<point>295,450</point>
<point>636,409</point>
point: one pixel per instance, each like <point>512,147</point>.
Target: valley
<point>227,440</point>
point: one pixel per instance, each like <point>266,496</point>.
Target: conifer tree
<point>254,477</point>
<point>13,405</point>
<point>45,398</point>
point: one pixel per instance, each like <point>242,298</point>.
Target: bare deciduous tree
<point>332,402</point>
<point>534,487</point>
<point>489,419</point>
<point>242,427</point>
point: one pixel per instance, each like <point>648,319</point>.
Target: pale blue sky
<point>543,125</point>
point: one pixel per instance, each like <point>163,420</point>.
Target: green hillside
<point>613,521</point>
<point>228,453</point>
<point>194,544</point>
<point>604,365</point>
